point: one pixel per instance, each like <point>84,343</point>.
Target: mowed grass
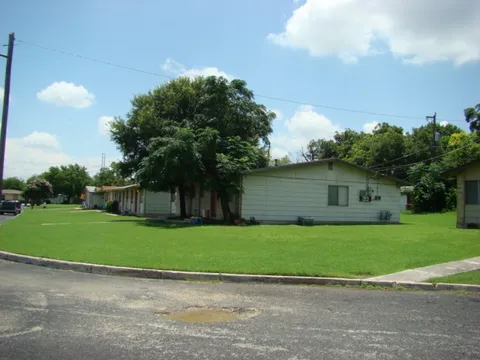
<point>340,251</point>
<point>470,277</point>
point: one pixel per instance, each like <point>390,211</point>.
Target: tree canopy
<point>37,190</point>
<point>13,183</point>
<point>203,131</point>
<point>68,180</point>
<point>110,176</point>
<point>472,116</point>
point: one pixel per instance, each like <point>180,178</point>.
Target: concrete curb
<point>201,276</point>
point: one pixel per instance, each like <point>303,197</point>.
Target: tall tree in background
<point>284,160</point>
<point>385,145</point>
<point>110,176</point>
<point>472,116</point>
<point>13,183</point>
<point>429,194</point>
<point>68,180</point>
<point>345,141</point>
<point>461,148</point>
<point>319,149</point>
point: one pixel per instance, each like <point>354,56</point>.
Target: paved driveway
<point>4,218</point>
<point>55,314</point>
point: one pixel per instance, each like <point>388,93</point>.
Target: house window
<point>330,165</point>
<point>472,192</point>
<point>337,195</point>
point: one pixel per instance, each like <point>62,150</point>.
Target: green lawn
<point>347,251</point>
<point>470,277</point>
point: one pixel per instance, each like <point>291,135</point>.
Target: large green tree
<point>172,162</point>
<point>13,183</point>
<point>204,131</point>
<point>68,180</point>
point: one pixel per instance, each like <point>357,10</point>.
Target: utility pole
<point>6,101</point>
<point>434,132</point>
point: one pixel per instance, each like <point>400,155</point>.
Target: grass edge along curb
<point>204,276</point>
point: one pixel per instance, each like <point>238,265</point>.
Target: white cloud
<point>310,124</point>
<point>369,127</point>
<point>303,126</point>
<point>418,32</point>
<point>36,152</point>
<point>277,153</point>
<point>41,140</point>
<point>444,123</point>
<point>67,94</point>
<point>278,113</point>
<point>174,67</point>
<point>104,124</point>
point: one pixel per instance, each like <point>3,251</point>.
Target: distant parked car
<point>10,207</point>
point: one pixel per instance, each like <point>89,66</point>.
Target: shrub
<point>451,200</point>
<point>113,207</point>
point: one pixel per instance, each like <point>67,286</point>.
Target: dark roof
<point>455,171</point>
<point>323,161</point>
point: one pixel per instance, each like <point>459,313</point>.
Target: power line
<point>95,60</point>
<point>257,95</point>
<point>432,158</point>
<point>401,157</point>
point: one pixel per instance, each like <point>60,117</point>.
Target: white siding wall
<point>97,199</point>
<point>157,203</point>
<point>281,195</point>
<point>472,212</point>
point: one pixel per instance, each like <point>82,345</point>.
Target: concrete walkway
<point>433,271</point>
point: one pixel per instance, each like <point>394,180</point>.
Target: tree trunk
<point>183,208</point>
<point>227,215</point>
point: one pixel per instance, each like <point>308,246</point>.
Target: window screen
<point>337,195</point>
<point>472,193</point>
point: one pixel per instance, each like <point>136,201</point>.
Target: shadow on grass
<point>129,220</point>
<point>169,225</point>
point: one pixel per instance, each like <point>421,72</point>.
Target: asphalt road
<point>54,314</point>
<point>4,218</point>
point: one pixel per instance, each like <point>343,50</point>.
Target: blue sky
<point>406,58</point>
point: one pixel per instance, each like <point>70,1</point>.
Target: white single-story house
<point>59,199</point>
<point>468,194</point>
<point>328,191</point>
<point>92,197</point>
<point>11,194</point>
<point>141,202</point>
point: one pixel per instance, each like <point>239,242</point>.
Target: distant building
<point>468,194</point>
<point>10,194</point>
